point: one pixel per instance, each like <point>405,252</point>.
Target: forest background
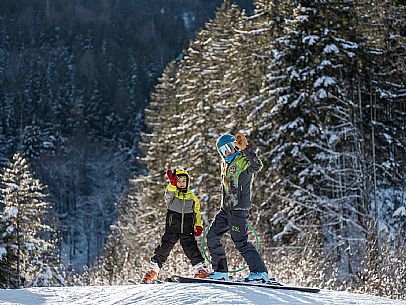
<point>317,86</point>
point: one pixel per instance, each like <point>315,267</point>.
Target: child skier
<point>183,222</point>
<point>239,164</point>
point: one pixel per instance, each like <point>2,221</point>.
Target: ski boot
<point>222,276</point>
<point>151,274</point>
<point>261,277</point>
<point>201,270</point>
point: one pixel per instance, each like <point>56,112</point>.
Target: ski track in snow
<point>181,294</point>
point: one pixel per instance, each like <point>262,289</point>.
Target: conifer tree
<point>312,166</point>
<point>205,104</point>
<point>241,84</point>
<point>380,111</point>
<point>8,270</point>
<point>27,246</point>
<point>381,102</point>
<point>123,254</point>
<point>159,144</point>
<point>31,141</point>
<point>265,26</point>
<point>3,142</point>
<point>245,94</point>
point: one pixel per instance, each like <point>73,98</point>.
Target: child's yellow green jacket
<point>185,205</point>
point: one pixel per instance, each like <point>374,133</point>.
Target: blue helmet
<point>224,139</point>
<point>225,145</point>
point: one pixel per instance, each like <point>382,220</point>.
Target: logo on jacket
<point>235,229</point>
<point>233,169</point>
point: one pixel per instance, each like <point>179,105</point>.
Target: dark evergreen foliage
<point>28,256</point>
<point>75,77</point>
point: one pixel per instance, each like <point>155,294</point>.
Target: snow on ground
<point>179,294</point>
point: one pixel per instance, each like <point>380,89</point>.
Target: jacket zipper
<point>183,214</point>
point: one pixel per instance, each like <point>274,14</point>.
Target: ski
<point>131,281</point>
<point>181,279</point>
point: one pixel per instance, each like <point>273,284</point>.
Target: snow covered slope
<point>179,294</point>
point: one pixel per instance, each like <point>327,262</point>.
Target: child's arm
<point>255,163</point>
<point>199,221</point>
<point>170,193</point>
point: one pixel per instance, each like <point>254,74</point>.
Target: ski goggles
<point>182,178</point>
<point>229,147</point>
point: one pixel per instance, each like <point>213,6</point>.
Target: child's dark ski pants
<point>235,221</point>
<point>173,234</point>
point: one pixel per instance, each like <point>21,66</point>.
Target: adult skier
<point>239,163</point>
